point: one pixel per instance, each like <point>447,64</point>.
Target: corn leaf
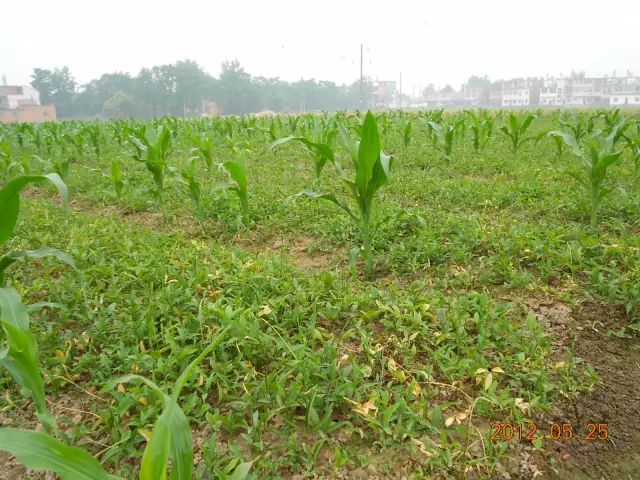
<point>39,451</point>
<point>10,200</point>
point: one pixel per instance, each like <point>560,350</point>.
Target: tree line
<point>182,88</point>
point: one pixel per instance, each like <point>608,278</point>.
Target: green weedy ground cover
<point>322,372</point>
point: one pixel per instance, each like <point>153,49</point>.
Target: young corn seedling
<point>372,169</point>
<point>238,184</point>
<point>151,147</point>
<point>117,182</point>
<point>516,130</point>
<point>169,447</point>
<point>481,127</point>
<point>203,149</point>
<point>10,208</point>
<point>189,179</point>
<point>633,144</point>
<point>444,134</point>
<point>600,154</point>
<point>319,147</point>
<point>407,127</point>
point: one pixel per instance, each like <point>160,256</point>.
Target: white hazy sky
<point>428,41</point>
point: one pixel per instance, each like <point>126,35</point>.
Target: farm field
<point>467,308</point>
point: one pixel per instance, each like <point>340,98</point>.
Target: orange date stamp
<point>528,432</point>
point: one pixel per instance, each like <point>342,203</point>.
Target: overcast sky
<point>429,42</point>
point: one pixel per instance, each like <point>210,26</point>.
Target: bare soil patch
<point>616,402</point>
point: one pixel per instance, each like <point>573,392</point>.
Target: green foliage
<point>516,129</point>
<point>116,177</point>
<point>319,146</point>
<point>39,451</point>
<point>20,355</point>
<point>596,157</point>
<point>372,168</point>
<point>444,134</point>
<point>10,208</point>
<point>152,148</point>
<point>238,175</point>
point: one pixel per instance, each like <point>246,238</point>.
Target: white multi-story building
<point>16,96</point>
<point>519,93</point>
<point>553,92</point>
<point>623,91</point>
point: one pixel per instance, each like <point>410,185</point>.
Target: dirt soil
<point>616,402</point>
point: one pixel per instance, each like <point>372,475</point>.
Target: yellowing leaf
<point>497,370</point>
<point>266,310</point>
<point>146,434</point>
<point>60,355</point>
<point>391,365</point>
<point>121,388</point>
<point>416,390</point>
<point>143,401</point>
<point>522,405</point>
<point>488,380</point>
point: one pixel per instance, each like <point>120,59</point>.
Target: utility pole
<point>400,96</point>
<point>361,82</point>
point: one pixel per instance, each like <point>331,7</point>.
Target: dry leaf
<point>391,365</point>
<point>488,380</point>
<point>522,405</point>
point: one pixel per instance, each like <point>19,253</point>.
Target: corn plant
<point>170,443</point>
<point>407,127</point>
<point>151,147</point>
<point>516,130</point>
<point>319,146</point>
<point>10,208</point>
<point>633,144</point>
<point>203,148</point>
<point>444,135</point>
<point>481,127</point>
<point>599,155</point>
<point>117,182</point>
<point>372,169</point>
<point>189,179</point>
<point>238,183</point>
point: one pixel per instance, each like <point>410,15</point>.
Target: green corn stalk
<point>406,133</point>
<point>10,208</point>
<point>170,440</point>
<point>189,179</point>
<point>238,176</point>
<point>516,130</point>
<point>203,148</point>
<point>600,154</point>
<point>481,126</point>
<point>117,181</point>
<point>633,144</point>
<point>444,134</point>
<point>151,147</point>
<point>319,147</point>
<point>20,353</point>
<point>372,169</point>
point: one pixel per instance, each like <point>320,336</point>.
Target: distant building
<point>587,91</point>
<point>384,92</point>
<point>495,98</point>
<point>22,104</point>
<point>623,91</point>
<point>520,93</point>
<point>553,92</point>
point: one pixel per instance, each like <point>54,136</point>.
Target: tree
<point>57,87</point>
<point>121,104</point>
<point>429,90</point>
<point>237,93</point>
<point>447,89</point>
